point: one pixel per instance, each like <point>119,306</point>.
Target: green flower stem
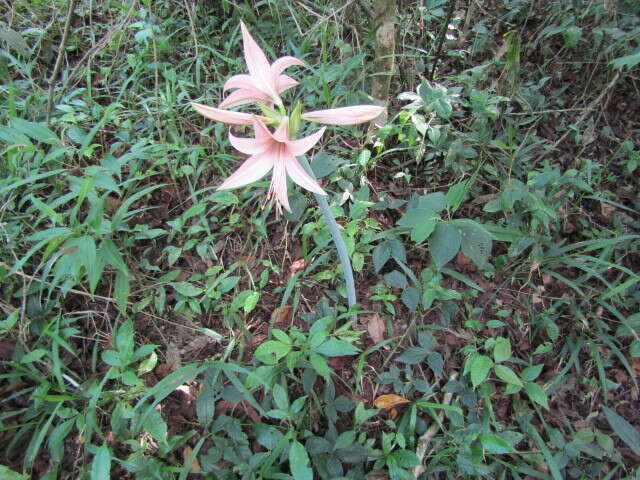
<point>337,239</point>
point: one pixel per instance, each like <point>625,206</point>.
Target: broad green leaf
<point>57,437</point>
<point>381,254</point>
<point>532,372</point>
<point>121,292</point>
<point>475,241</point>
<point>537,394</point>
<point>336,348</point>
<point>444,243</point>
<point>457,194</point>
<point>250,302</point>
<point>502,350</point>
<point>101,467</point>
<point>187,289</point>
<point>623,429</point>
<point>299,462</point>
<point>36,131</point>
<point>396,279</point>
<point>272,351</point>
<point>495,445</point>
<point>7,474</point>
<point>505,374</point>
<point>479,366</point>
<point>280,397</point>
<point>413,355</point>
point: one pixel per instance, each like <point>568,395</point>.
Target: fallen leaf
<point>281,317</point>
<point>296,267</point>
<point>389,401</point>
<point>375,327</point>
<point>607,210</point>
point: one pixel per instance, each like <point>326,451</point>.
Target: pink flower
<point>265,81</point>
<point>345,115</point>
<point>273,151</point>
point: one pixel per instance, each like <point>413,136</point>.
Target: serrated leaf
<point>479,367</point>
<point>413,355</point>
<point>475,241</point>
<point>187,289</point>
<point>271,351</point>
<point>396,279</point>
<point>505,374</point>
<point>411,298</point>
<point>495,445</point>
<point>444,243</point>
<point>537,394</point>
<point>336,348</point>
<point>532,372</point>
<point>381,254</point>
<point>501,350</point>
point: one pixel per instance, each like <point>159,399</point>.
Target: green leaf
<point>627,433</point>
<point>336,348</point>
<point>421,222</point>
<point>101,467</point>
<point>320,365</point>
<point>396,279</point>
<point>36,131</point>
<point>7,474</point>
<point>411,298</point>
<point>444,244</point>
<point>475,241</point>
<point>506,374</point>
<point>495,445</point>
<point>280,397</point>
<point>250,302</point>
<point>532,372</point>
<point>479,366</point>
<point>121,292</point>
<point>187,289</point>
<point>324,164</point>
<point>381,254</point>
<point>457,194</point>
<point>272,351</point>
<point>413,355</point>
<point>299,462</point>
<point>56,439</point>
<point>502,350</point>
<point>537,394</point>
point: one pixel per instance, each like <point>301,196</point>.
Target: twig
<point>58,64</point>
<point>425,439</point>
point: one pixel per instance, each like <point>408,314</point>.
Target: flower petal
<point>224,116</point>
<point>279,179</point>
<point>241,80</point>
<point>285,82</point>
<point>345,115</point>
<point>303,145</point>
<point>244,95</point>
<point>250,146</point>
<point>283,63</point>
<point>253,169</point>
<point>282,132</point>
<point>257,63</point>
<point>301,177</point>
<point>261,130</point>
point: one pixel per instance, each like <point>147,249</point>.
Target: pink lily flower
<point>265,81</point>
<point>344,115</point>
<point>273,151</point>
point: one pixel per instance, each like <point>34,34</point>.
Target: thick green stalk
<point>337,239</point>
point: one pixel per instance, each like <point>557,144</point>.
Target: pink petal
<point>301,177</point>
<point>282,132</point>
<point>283,63</point>
<point>244,95</point>
<point>239,81</point>
<point>261,130</point>
<point>303,145</point>
<point>279,180</point>
<point>250,146</point>
<point>257,63</point>
<point>345,115</point>
<point>253,169</point>
<point>285,82</point>
<point>224,116</point>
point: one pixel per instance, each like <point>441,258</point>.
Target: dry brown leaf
<point>296,267</point>
<point>281,317</point>
<point>375,327</point>
<point>195,465</point>
<point>389,401</point>
<point>607,210</point>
